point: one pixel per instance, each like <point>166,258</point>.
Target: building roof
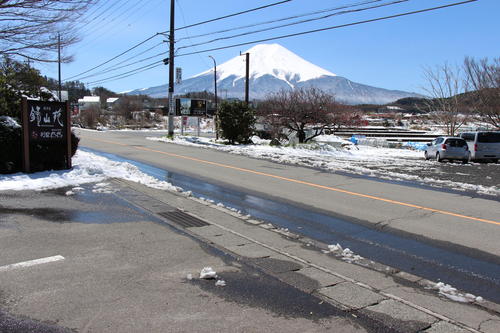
<point>112,99</point>
<point>90,99</point>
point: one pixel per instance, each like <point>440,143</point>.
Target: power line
<point>98,6</point>
<point>331,28</point>
<point>103,12</point>
<point>129,73</point>
<point>186,31</point>
<point>234,14</point>
<point>281,19</point>
<point>135,56</point>
<point>123,77</point>
<point>185,27</point>
<point>112,30</point>
<point>296,23</point>
<point>110,20</point>
<point>112,69</point>
<point>115,57</point>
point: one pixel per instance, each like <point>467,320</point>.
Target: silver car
<point>483,146</point>
<point>447,148</point>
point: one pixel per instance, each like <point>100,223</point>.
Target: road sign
<point>190,107</point>
<point>178,75</point>
<point>198,107</point>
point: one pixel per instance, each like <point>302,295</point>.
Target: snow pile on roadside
<point>346,254</point>
<point>87,168</point>
<point>452,293</point>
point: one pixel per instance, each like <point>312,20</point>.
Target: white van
<point>483,146</point>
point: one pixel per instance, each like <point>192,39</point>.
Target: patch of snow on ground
<point>208,273</point>
<point>346,254</point>
<point>220,283</point>
<point>452,293</point>
<point>87,168</point>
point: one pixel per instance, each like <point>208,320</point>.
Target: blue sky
<point>388,54</point>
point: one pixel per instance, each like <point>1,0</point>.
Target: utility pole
<point>59,63</point>
<point>171,102</point>
<point>247,81</point>
<point>216,102</point>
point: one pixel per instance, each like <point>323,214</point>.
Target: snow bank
<point>87,168</point>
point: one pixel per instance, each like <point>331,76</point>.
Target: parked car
<point>483,146</point>
<point>447,148</point>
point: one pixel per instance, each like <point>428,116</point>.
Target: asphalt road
<point>462,220</point>
<point>121,269</point>
<point>439,175</point>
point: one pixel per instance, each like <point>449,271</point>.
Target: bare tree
<point>301,110</point>
<point>483,80</point>
<point>91,116</point>
<point>445,85</point>
<point>29,28</point>
<point>127,105</point>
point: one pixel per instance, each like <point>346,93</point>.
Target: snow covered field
<point>337,155</point>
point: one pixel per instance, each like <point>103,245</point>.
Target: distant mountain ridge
<point>273,68</point>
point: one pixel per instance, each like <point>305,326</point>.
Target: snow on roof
<point>112,99</point>
<point>90,99</point>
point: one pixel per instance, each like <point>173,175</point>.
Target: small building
<point>88,102</point>
<point>112,101</point>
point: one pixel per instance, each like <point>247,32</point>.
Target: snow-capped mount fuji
<point>273,60</point>
<point>273,68</point>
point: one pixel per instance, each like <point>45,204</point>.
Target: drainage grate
<point>183,219</point>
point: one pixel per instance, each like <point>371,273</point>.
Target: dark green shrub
<point>236,122</point>
<point>10,148</point>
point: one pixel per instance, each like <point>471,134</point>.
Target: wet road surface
<point>467,269</point>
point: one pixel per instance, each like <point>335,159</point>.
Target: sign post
<point>186,107</point>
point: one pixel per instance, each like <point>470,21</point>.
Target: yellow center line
<point>361,195</point>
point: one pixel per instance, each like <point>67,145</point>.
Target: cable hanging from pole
<point>280,19</point>
<point>113,58</point>
<point>234,14</point>
<point>330,28</point>
<point>295,23</point>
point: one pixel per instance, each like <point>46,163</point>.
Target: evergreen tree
<point>18,79</point>
<point>236,122</point>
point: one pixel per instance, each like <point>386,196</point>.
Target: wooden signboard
<point>47,123</point>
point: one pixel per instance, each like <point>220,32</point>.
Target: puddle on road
<point>86,207</point>
<point>48,214</point>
